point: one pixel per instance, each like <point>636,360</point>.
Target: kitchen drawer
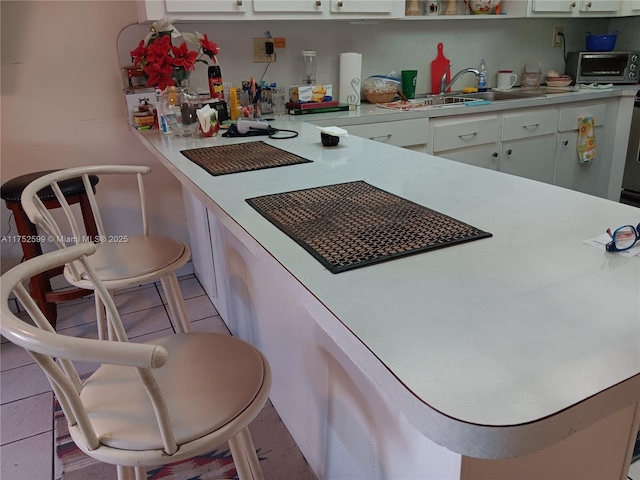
<point>529,124</point>
<point>569,117</point>
<point>401,133</point>
<point>461,134</point>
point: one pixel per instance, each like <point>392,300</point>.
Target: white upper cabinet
<point>366,6</point>
<point>630,7</point>
<point>306,6</point>
<point>149,10</point>
<point>205,6</point>
<point>571,8</point>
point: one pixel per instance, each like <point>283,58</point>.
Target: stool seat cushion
<point>12,189</point>
<point>132,257</point>
<point>209,379</point>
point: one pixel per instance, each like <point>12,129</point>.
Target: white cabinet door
<point>630,7</point>
<point>305,6</point>
<point>200,242</point>
<point>534,158</point>
<point>592,178</point>
<point>363,6</point>
<point>553,6</point>
<point>485,156</point>
<point>594,6</point>
<point>205,6</point>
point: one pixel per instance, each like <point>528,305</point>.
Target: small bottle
<point>482,77</point>
<point>216,88</point>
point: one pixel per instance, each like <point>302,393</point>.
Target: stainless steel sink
<point>433,100</point>
<point>497,96</point>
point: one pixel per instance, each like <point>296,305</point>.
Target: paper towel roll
<point>350,78</point>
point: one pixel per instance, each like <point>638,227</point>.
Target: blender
<point>309,62</point>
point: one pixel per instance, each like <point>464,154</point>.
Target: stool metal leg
<point>175,303</point>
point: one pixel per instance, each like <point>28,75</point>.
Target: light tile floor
<point>26,429</point>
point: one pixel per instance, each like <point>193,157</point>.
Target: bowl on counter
<point>601,43</point>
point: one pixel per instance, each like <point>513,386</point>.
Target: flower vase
<point>179,104</point>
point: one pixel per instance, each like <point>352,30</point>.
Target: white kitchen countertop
<point>369,113</point>
<point>488,344</point>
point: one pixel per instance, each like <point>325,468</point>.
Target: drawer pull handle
<point>318,3</point>
<point>465,135</point>
<point>533,125</point>
<point>509,152</point>
<point>573,4</point>
<point>589,5</point>
<point>239,3</point>
<point>385,137</point>
<point>494,154</point>
<point>340,4</point>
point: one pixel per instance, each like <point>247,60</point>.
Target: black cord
<point>564,48</point>
<point>265,70</point>
<point>275,131</point>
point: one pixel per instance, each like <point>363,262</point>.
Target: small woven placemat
<point>354,224</point>
<point>241,157</point>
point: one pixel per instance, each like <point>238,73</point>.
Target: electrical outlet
<point>259,51</point>
<point>557,38</point>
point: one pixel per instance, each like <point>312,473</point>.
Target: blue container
<point>601,43</point>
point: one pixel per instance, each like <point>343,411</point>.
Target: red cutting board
<point>438,67</point>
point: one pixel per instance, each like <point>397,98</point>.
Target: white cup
<point>506,79</point>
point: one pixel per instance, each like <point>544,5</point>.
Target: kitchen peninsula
<point>515,356</point>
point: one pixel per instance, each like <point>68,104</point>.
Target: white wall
<point>62,106</point>
<point>62,103</point>
<point>386,46</point>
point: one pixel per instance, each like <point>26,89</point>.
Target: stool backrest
<point>55,353</point>
<point>42,217</point>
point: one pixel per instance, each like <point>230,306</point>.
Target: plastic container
<point>482,78</point>
<point>601,43</point>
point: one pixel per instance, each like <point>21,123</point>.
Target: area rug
<point>279,456</point>
<point>354,224</point>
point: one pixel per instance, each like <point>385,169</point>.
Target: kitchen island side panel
<point>342,423</point>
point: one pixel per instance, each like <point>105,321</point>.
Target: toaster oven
<point>603,67</point>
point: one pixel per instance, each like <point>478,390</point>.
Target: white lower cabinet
<point>593,177</point>
<point>409,134</point>
<point>533,158</point>
<point>485,156</point>
<point>570,173</point>
<point>535,143</point>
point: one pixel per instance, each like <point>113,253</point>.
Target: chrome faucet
<point>444,86</point>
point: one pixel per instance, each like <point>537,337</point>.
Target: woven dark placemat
<point>354,224</point>
<point>241,157</point>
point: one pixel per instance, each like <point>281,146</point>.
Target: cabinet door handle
<point>565,143</point>
<point>533,125</point>
<point>494,154</point>
<point>385,137</point>
<point>509,152</point>
<point>465,135</point>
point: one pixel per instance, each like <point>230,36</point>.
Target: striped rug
<point>279,456</point>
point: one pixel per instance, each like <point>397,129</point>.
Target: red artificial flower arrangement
<point>165,64</point>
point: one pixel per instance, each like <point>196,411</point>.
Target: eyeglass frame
<point>611,247</point>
